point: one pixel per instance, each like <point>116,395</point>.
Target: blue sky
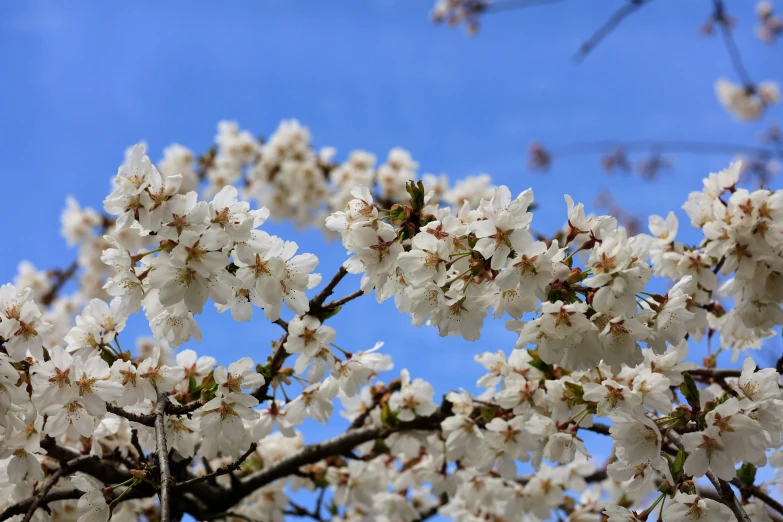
<point>82,81</point>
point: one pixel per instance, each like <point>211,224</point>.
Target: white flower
<point>505,227</point>
<point>609,395</point>
<point>426,260</point>
<point>690,508</point>
<point>92,504</point>
<point>223,415</point>
<point>155,377</point>
<point>671,322</point>
<point>307,336</point>
<point>562,447</point>
<point>708,451</point>
<point>414,398</point>
<point>21,323</point>
<point>240,374</point>
<point>637,438</point>
<point>93,382</point>
<point>757,386</point>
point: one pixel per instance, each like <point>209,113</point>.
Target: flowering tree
<point>90,430</point>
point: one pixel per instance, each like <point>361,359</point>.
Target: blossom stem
<point>116,501</point>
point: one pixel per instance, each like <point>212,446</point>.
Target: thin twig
<point>135,443</point>
<point>715,372</point>
<point>146,419</point>
<point>510,5</point>
<point>184,409</point>
<point>328,290</point>
<point>661,147</point>
<point>60,278</point>
<point>610,25</point>
<point>229,514</point>
<point>339,302</point>
<point>759,494</point>
<point>731,46</point>
<point>163,457</point>
<point>220,471</point>
<point>301,511</point>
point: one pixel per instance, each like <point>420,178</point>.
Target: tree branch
<point>328,290</point>
<point>610,25</point>
<point>229,514</point>
<point>661,146</point>
<point>24,505</point>
<point>731,46</point>
<point>509,5</point>
<point>66,466</point>
<point>759,494</point>
<point>220,471</point>
<point>146,419</point>
<point>184,409</point>
<point>336,446</point>
<point>339,302</point>
<point>163,457</point>
<point>60,278</point>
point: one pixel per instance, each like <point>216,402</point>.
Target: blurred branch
<point>509,5</point>
<point>724,24</point>
<point>664,146</point>
<point>610,25</point>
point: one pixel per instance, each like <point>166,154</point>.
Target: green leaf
<point>747,474</point>
<point>388,417</point>
<point>676,465</point>
<point>399,214</point>
<point>416,191</point>
<point>690,391</point>
<point>576,390</point>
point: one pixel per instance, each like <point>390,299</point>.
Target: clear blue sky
<point>82,81</point>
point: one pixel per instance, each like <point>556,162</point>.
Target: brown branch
<point>610,25</point>
<point>24,505</point>
<point>69,494</point>
<point>283,324</point>
<point>163,458</point>
<point>339,302</point>
<point>759,494</point>
<point>146,419</point>
<point>184,409</point>
<point>660,146</point>
<point>603,429</point>
<point>336,446</point>
<point>328,290</point>
<point>229,514</point>
<point>724,25</point>
<point>103,472</point>
<point>50,484</point>
<point>60,278</point>
<point>721,373</point>
<point>510,5</point>
<point>220,471</point>
<point>301,511</point>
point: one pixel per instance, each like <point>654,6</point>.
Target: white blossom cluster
<point>91,431</point>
